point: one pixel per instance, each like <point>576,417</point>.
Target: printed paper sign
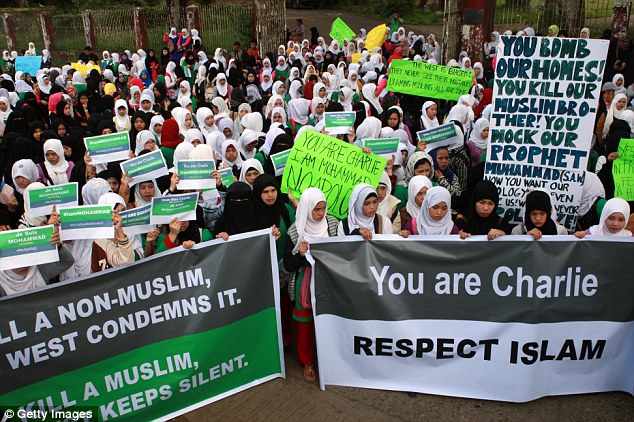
<point>41,201</point>
<point>108,148</point>
<point>165,208</point>
<point>28,64</point>
<point>86,222</point>
<point>226,176</point>
<point>27,247</point>
<point>623,171</point>
<point>279,161</point>
<point>339,122</point>
<point>442,136</point>
<point>428,80</point>
<point>137,220</point>
<point>384,147</point>
<point>195,174</point>
<point>340,31</point>
<point>145,167</point>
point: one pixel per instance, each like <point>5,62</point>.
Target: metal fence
<point>540,14</point>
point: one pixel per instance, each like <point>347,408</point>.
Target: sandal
<point>309,373</point>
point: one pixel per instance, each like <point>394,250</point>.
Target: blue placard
<point>28,64</point>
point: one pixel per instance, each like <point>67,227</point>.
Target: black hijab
<point>269,215</point>
<point>77,147</point>
<point>240,212</point>
<point>538,200</point>
<point>18,123</point>
<point>281,143</point>
<point>477,225</point>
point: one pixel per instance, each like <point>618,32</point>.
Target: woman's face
<point>146,105</point>
<point>322,92</point>
<point>438,211</point>
<point>61,131</point>
<point>231,153</point>
<point>209,120</point>
<point>223,82</point>
<point>121,77</point>
<point>188,121</point>
<point>214,109</point>
<point>22,182</point>
<point>52,157</point>
<point>251,77</point>
<point>266,78</point>
<point>320,108</point>
<point>615,222</point>
<point>342,97</point>
<point>68,151</point>
<point>420,196</point>
<point>278,103</point>
<point>370,206</point>
<point>432,111</point>
<point>319,212</point>
<point>106,131</point>
<point>281,89</point>
<point>37,133</point>
<point>277,118</point>
<point>243,112</point>
<point>621,103</point>
<point>137,96</point>
<point>183,89</point>
<point>156,92</point>
<point>269,195</point>
<point>476,71</point>
<point>484,207</point>
<point>114,184</point>
<point>485,133</point>
<point>83,100</point>
<point>67,110</point>
<point>150,145</point>
<point>121,111</point>
<point>381,191</point>
<point>493,37</point>
<point>393,120</point>
<point>550,32</point>
<point>146,189</point>
<point>3,107</point>
<point>139,124</point>
<point>251,175</point>
<point>158,128</point>
<point>227,132</point>
<point>442,157</point>
<point>538,218</point>
<point>423,169</point>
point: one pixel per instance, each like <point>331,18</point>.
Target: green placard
<point>41,201</point>
<point>623,171</point>
<point>428,80</point>
<point>385,147</point>
<point>279,161</point>
<point>333,166</point>
<point>226,176</point>
<point>107,148</point>
<point>339,31</point>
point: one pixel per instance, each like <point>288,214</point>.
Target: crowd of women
<point>241,107</point>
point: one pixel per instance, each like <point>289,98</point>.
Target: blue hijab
<point>448,173</point>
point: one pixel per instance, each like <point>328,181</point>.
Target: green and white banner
<point>442,136</point>
<point>151,340</point>
<point>226,176</point>
<point>279,161</point>
<point>104,149</point>
<point>195,174</point>
<point>165,208</point>
<point>145,167</point>
<point>339,122</point>
<point>86,222</point>
<point>137,220</point>
<point>384,147</point>
<point>510,319</point>
<point>42,201</point>
<point>27,247</point>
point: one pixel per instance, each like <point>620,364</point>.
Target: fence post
<point>140,28</point>
<point>270,24</point>
<point>9,31</point>
<point>89,28</point>
<point>193,18</point>
<point>47,30</point>
<point>621,16</point>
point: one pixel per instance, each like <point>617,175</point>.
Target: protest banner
<point>279,161</point>
<point>430,312</point>
<point>428,80</point>
<point>85,69</point>
<point>145,167</point>
<point>385,147</point>
<point>26,247</point>
<point>86,222</point>
<point>340,31</point>
<point>28,64</point>
<point>333,166</point>
<point>195,174</point>
<point>137,220</point>
<point>226,176</point>
<point>105,149</point>
<point>165,208</point>
<point>42,200</point>
<point>544,106</point>
<point>376,37</point>
<point>150,340</point>
<point>357,56</point>
<point>339,122</point>
<point>623,170</point>
<point>441,136</point>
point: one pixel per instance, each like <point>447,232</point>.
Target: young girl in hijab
<point>205,119</point>
<point>416,191</point>
<point>428,119</point>
<point>482,218</point>
<point>388,204</point>
<point>538,211</point>
<point>443,175</point>
<point>281,70</point>
<point>362,216</point>
<point>55,170</point>
<point>614,217</point>
<point>478,141</point>
<point>247,144</point>
<point>435,214</point>
<point>311,222</point>
<point>231,157</point>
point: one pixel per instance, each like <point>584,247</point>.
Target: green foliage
<point>390,6</point>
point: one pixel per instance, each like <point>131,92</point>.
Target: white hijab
<point>356,218</point>
<point>476,134</point>
<point>614,205</point>
<point>415,185</point>
<point>226,144</point>
<point>613,112</point>
<point>298,109</point>
<point>247,165</point>
<point>304,223</point>
<point>25,168</point>
<point>591,190</point>
<point>137,194</point>
<point>425,224</point>
<point>427,122</point>
<point>201,115</point>
<point>13,283</point>
<point>222,89</point>
<point>369,96</point>
<point>56,172</point>
<point>384,205</point>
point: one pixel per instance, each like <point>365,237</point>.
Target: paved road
<point>298,400</point>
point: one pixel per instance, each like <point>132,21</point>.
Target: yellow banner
<point>85,69</point>
<point>376,37</point>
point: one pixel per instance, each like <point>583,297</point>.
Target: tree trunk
<point>175,7</point>
<point>23,3</point>
<point>452,30</point>
<point>573,13</point>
